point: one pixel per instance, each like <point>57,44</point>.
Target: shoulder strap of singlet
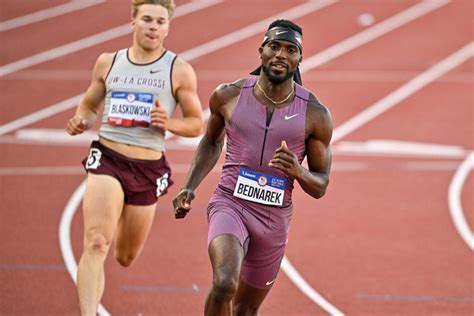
<point>246,89</point>
<point>173,55</point>
<point>302,92</point>
<point>114,60</point>
<point>249,82</point>
<point>122,53</point>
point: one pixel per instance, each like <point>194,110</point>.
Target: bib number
<point>161,184</point>
<point>259,187</point>
<point>93,160</point>
<point>129,109</point>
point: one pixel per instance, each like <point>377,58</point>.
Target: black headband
<point>283,34</point>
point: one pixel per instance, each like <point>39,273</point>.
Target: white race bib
<point>130,109</point>
<point>259,187</point>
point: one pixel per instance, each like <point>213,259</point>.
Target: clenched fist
<point>76,125</point>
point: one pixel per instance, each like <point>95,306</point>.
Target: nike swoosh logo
<point>291,116</point>
<point>270,282</point>
<point>154,71</point>
<point>282,32</point>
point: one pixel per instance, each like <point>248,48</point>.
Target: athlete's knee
<point>224,286</point>
<point>125,258</point>
<point>97,244</point>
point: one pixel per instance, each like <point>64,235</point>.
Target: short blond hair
<point>167,4</point>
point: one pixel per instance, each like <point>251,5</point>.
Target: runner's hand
<point>182,203</point>
<point>285,160</point>
<point>76,125</point>
<point>159,117</point>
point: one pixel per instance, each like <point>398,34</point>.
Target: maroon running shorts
<point>143,181</point>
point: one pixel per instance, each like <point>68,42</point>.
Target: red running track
<point>381,242</point>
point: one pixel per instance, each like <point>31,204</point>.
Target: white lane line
<point>430,166</point>
<point>406,90</point>
<point>79,170</point>
<point>41,114</point>
<point>47,13</point>
<point>54,136</point>
<point>454,198</point>
<point>60,136</point>
<point>65,228</point>
<point>56,170</point>
<point>93,40</point>
<point>177,169</point>
<point>301,283</point>
<point>388,147</point>
<point>372,33</point>
<point>188,55</point>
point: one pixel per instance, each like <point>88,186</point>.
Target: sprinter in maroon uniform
<point>272,123</point>
<point>136,91</point>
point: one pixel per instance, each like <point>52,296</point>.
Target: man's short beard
<point>277,79</point>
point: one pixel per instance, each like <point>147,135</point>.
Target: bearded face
<point>280,60</point>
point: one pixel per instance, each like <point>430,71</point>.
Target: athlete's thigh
<point>248,297</point>
<point>134,225</point>
<point>226,254</point>
<point>102,205</point>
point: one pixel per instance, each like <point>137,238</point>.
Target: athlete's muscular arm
<point>185,90</point>
<point>318,137</point>
<point>89,107</point>
<point>209,148</point>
